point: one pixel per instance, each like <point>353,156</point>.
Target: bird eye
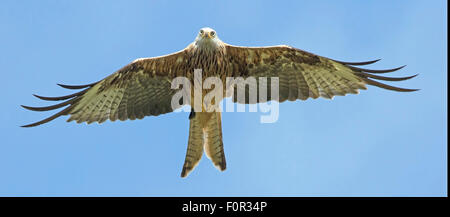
<point>201,31</point>
<point>212,33</point>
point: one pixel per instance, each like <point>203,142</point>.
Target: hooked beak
<point>207,35</point>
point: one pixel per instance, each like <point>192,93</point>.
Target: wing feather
<point>141,88</point>
<point>293,87</point>
<point>306,75</point>
<point>302,86</point>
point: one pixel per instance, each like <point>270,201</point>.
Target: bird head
<point>207,40</point>
<point>207,33</point>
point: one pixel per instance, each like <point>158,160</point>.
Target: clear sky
<point>377,143</point>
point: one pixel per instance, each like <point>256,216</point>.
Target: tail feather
<point>205,133</point>
<point>195,146</point>
<point>214,143</point>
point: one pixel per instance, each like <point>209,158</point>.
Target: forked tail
<point>205,133</point>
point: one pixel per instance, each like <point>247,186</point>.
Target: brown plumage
<point>143,87</point>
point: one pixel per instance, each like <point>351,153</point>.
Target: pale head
<point>207,33</point>
<point>207,39</point>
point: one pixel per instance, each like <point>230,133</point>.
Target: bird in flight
<point>143,87</point>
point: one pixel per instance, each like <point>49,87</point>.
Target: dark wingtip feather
<point>53,98</point>
<point>60,97</point>
<point>29,125</point>
<point>30,108</point>
<point>387,87</point>
<point>359,63</point>
<point>48,108</point>
<point>76,86</point>
<point>385,78</point>
<point>33,108</point>
<point>63,112</point>
<point>376,71</point>
<point>71,99</point>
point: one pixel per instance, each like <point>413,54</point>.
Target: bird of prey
<point>143,87</point>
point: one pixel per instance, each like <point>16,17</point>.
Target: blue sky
<point>377,143</point>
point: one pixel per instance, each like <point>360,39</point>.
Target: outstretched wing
<point>141,88</point>
<point>302,74</point>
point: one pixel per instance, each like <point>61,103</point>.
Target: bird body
<point>144,87</point>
